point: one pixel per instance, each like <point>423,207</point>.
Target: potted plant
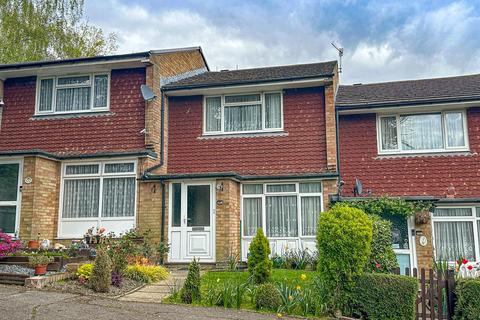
<point>34,244</point>
<point>40,262</point>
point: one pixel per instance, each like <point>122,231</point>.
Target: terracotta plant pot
<point>40,270</point>
<point>33,244</point>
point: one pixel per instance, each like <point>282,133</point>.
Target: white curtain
<point>82,169</point>
<point>243,118</point>
<point>81,198</point>
<point>421,132</point>
<point>312,187</point>
<point>119,167</point>
<point>452,212</point>
<point>311,207</point>
<point>388,127</point>
<point>252,189</point>
<point>73,99</point>
<point>273,112</point>
<point>118,197</point>
<point>45,96</point>
<point>281,188</point>
<point>101,91</point>
<point>282,216</point>
<point>455,133</point>
<point>252,215</point>
<point>242,98</point>
<point>213,114</point>
<point>454,240</point>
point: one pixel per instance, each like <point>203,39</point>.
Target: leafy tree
<point>33,30</point>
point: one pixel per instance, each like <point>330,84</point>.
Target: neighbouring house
<point>418,140</point>
<point>247,149</point>
<point>75,137</point>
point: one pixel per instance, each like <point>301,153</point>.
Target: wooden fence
<point>436,295</point>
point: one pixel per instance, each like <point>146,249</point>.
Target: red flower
<point>470,267</point>
<point>464,261</point>
<point>377,265</point>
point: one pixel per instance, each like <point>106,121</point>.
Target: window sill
<point>244,135</point>
<point>452,153</point>
<point>72,115</point>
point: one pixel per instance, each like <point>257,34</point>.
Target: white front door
<point>10,196</point>
<point>192,221</point>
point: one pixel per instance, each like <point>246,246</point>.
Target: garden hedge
<point>380,296</point>
<point>468,303</point>
<point>382,258</point>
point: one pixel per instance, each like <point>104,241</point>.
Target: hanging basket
<point>422,217</point>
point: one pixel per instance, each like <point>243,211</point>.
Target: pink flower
<point>470,267</point>
<point>377,265</point>
<point>464,261</point>
<point>101,230</point>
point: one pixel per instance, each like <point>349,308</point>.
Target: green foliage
<point>267,297</point>
<point>85,271</point>
<point>259,265</point>
<point>382,258</point>
<point>48,30</point>
<point>191,288</point>
<point>385,297</point>
<point>101,277</point>
<point>385,206</point>
<point>468,303</point>
<point>344,237</point>
<point>146,273</point>
<point>39,260</point>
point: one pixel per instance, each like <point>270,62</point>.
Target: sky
<point>382,40</point>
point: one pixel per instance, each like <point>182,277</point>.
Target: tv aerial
<point>340,55</point>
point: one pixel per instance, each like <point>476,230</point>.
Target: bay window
<point>240,113</point>
<point>456,233</point>
<point>283,210</point>
<point>429,132</point>
<point>71,94</point>
<point>98,194</point>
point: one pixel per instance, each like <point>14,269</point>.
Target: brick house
<point>247,149</point>
<point>419,140</point>
<point>75,136</point>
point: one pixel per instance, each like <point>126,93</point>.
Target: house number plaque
<point>423,241</point>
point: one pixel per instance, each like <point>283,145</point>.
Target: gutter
<point>53,156</point>
<point>437,200</point>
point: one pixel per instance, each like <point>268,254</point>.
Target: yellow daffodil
<point>298,288</point>
<point>290,298</point>
<point>303,277</point>
<point>279,315</point>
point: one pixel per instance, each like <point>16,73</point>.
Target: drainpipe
<point>337,130</point>
<point>162,230</point>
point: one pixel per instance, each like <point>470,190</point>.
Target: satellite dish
<point>147,93</point>
<point>358,188</point>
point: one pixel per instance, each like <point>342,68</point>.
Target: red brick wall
<point>430,175</point>
<point>302,149</point>
<point>117,131</point>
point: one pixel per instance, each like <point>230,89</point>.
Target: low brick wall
<point>39,282</point>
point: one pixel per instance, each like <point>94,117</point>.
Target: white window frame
<point>57,86</point>
<point>473,219</point>
<point>224,104</point>
<point>445,148</point>
<point>100,175</point>
<point>266,194</point>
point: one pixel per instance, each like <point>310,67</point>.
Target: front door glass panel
<point>198,206</point>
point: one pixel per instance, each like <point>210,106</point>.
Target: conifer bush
<point>191,288</point>
<point>101,277</point>
<point>267,297</point>
<point>259,265</point>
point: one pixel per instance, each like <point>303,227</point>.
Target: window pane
<point>81,198</point>
<point>452,212</point>
<point>82,80</point>
<point>7,219</point>
<point>101,91</point>
<point>478,211</point>
<point>455,132</point>
<point>243,118</point>
<point>400,232</point>
<point>454,240</point>
<point>242,98</point>
<point>252,215</point>
<point>403,262</point>
<point>45,95</point>
<point>273,110</point>
<point>282,216</point>
<point>82,169</point>
<point>421,132</point>
<point>311,207</point>
<point>252,189</point>
<point>213,114</point>
<point>177,204</point>
<point>73,99</point>
<point>198,206</point>
<point>9,181</point>
<point>312,187</point>
<point>281,188</point>
<point>118,197</point>
<point>388,128</point>
<point>119,167</point>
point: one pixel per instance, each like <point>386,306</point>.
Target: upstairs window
<point>429,132</point>
<point>255,112</point>
<point>84,93</point>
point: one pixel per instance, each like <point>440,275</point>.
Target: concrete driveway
<point>17,303</point>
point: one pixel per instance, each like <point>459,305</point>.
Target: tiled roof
<point>256,75</point>
<point>451,89</point>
